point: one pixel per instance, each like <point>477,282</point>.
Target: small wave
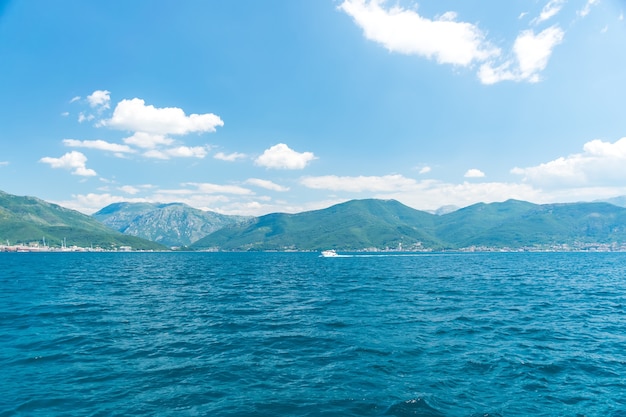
<point>413,407</point>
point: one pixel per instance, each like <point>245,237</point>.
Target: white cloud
<point>134,115</point>
<point>178,152</point>
<point>551,9</point>
<point>99,99</point>
<point>229,157</point>
<point>74,99</point>
<point>73,161</point>
<point>92,202</point>
<point>387,183</point>
<point>601,164</point>
<point>148,140</point>
<point>129,189</point>
<point>65,114</point>
<point>4,163</point>
<point>209,188</point>
<point>98,144</point>
<point>282,157</point>
<point>405,31</point>
<point>532,53</point>
<point>587,9</point>
<point>156,154</point>
<point>449,41</point>
<point>424,170</point>
<point>188,151</point>
<point>426,194</point>
<point>430,195</point>
<point>83,118</point>
<point>266,184</point>
<point>474,173</point>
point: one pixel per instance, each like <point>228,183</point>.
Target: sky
<point>252,107</point>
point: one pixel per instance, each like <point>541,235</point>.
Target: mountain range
<point>25,220</point>
<point>388,224</point>
<point>369,224</point>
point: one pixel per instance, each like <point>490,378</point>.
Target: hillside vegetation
<point>355,225</point>
<point>388,224</point>
<point>28,219</point>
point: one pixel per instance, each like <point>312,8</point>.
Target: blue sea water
<point>293,334</point>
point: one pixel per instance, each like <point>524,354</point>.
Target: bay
<point>293,334</point>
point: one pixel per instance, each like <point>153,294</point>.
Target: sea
<point>295,334</point>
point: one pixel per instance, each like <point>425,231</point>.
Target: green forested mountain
<point>28,219</point>
<point>173,224</point>
<point>354,225</point>
<point>517,223</point>
<point>362,224</point>
<point>357,224</point>
<point>495,224</point>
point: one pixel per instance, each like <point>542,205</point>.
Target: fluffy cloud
<point>426,194</point>
<point>269,185</point>
<point>244,205</point>
<point>150,127</point>
<point>129,189</point>
<point>474,173</point>
<point>99,99</point>
<point>148,140</point>
<point>135,115</point>
<point>282,157</point>
<point>425,170</point>
<point>430,195</point>
<point>229,157</point>
<point>405,31</point>
<point>92,202</point>
<point>98,144</point>
<point>387,183</point>
<point>75,161</point>
<point>600,164</point>
<point>178,152</point>
<point>532,52</point>
<point>449,41</point>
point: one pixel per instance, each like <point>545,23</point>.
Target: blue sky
<point>252,107</point>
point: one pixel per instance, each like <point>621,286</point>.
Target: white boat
<point>331,253</point>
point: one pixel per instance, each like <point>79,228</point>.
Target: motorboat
<point>330,253</point>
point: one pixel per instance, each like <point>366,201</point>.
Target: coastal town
<point>43,247</point>
<point>576,247</point>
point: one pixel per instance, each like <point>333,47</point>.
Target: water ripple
<point>296,335</point>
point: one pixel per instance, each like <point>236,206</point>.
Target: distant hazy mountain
<point>444,210</point>
<point>28,219</point>
<point>618,201</point>
<point>362,224</point>
<point>174,224</point>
